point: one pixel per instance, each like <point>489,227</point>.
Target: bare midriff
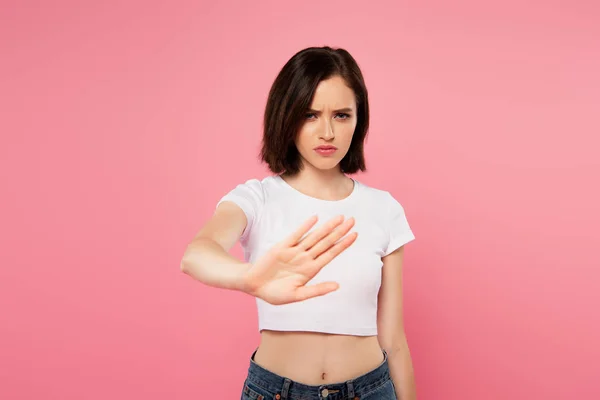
<point>314,358</point>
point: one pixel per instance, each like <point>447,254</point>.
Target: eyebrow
<point>347,110</point>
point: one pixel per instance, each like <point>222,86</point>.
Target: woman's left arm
<point>390,325</point>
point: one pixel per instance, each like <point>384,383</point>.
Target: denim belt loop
<point>350,390</point>
<point>286,388</point>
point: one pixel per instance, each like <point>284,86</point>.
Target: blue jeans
<point>261,384</point>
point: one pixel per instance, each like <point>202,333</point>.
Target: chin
<point>322,163</point>
<point>326,166</point>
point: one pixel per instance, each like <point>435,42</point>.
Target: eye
<point>308,115</point>
<point>346,116</point>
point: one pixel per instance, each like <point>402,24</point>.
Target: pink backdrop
<point>124,122</point>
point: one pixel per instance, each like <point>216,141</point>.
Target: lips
<point>326,148</point>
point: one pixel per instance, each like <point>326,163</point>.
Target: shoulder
<point>250,196</point>
<point>392,215</point>
<point>256,186</point>
<point>253,186</point>
<point>380,197</point>
<point>254,190</point>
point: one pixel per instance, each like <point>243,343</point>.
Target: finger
<point>295,237</point>
<point>311,239</point>
<point>335,250</point>
<point>319,289</point>
<point>329,240</point>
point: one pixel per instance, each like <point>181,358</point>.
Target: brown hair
<point>291,95</point>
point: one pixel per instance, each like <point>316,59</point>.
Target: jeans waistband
<point>345,390</point>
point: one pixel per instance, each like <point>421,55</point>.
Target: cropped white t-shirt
<point>274,209</point>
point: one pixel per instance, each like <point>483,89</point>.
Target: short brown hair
<point>291,95</point>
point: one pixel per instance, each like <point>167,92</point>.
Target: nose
<point>327,132</point>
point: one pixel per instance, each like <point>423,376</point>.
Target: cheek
<point>308,130</point>
<point>303,139</point>
<point>346,133</point>
<point>346,127</point>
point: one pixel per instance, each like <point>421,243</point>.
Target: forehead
<point>333,93</point>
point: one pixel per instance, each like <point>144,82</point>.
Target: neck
<point>325,184</point>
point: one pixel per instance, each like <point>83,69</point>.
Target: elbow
<point>185,265</point>
<point>392,341</point>
<point>190,259</point>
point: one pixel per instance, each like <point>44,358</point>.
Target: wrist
<point>241,279</point>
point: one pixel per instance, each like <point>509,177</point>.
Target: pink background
<point>123,123</point>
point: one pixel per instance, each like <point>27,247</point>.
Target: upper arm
<point>390,315</point>
<point>235,215</point>
<point>225,226</point>
<point>399,230</point>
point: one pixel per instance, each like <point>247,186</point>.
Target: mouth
<point>325,150</point>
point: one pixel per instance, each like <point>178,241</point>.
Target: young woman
<point>322,251</point>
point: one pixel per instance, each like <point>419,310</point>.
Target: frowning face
<point>326,134</point>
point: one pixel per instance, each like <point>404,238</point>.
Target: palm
<point>281,274</point>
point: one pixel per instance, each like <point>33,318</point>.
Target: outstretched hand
<point>281,274</point>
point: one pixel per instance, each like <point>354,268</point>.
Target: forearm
<point>206,261</point>
<point>401,370</point>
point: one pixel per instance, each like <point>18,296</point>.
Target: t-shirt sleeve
<point>399,230</point>
<point>250,198</point>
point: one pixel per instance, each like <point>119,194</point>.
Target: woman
<point>329,300</point>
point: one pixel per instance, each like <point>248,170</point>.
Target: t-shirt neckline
<point>311,198</point>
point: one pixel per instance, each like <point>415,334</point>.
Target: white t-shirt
<point>274,210</point>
